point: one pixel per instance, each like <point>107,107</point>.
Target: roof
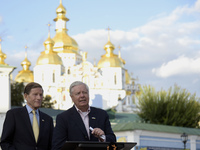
<point>154,127</point>
<point>131,121</point>
<point>125,118</point>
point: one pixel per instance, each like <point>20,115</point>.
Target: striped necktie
<point>35,126</point>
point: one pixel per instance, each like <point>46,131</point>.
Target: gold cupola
<point>48,56</point>
<point>2,55</point>
<point>109,59</point>
<point>63,42</point>
<point>25,75</point>
<point>127,77</point>
<point>119,55</point>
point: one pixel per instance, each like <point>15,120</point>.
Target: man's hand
<point>97,132</point>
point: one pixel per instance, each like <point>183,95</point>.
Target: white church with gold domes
<point>62,63</point>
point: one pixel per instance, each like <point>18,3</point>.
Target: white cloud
<point>1,19</point>
<point>168,44</point>
<point>180,66</point>
<point>197,6</point>
<point>10,37</point>
<point>160,40</point>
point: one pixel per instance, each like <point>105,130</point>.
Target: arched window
<point>68,71</point>
<point>115,79</point>
<point>42,77</point>
<point>53,77</point>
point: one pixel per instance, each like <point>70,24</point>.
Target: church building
<point>62,62</point>
<point>111,86</point>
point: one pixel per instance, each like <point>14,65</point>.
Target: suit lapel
<point>92,119</point>
<point>27,122</point>
<point>77,118</point>
<point>42,125</point>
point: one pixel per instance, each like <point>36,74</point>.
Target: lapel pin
<point>42,119</point>
<point>93,118</point>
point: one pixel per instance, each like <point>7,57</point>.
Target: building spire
<point>61,12</point>
<point>119,55</point>
<point>63,42</point>
<point>49,29</point>
<point>2,55</point>
<point>108,33</point>
<point>49,43</point>
<point>25,75</point>
<point>109,47</point>
<point>26,47</point>
<point>49,56</point>
<point>25,63</point>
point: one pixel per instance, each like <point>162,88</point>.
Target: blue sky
<point>159,39</point>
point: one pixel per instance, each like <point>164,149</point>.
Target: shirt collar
<point>29,109</point>
<point>80,110</point>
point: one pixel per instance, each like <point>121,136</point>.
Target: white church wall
<point>68,59</point>
<point>5,92</point>
<point>109,74</point>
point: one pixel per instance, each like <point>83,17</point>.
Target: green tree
<point>176,107</point>
<point>17,97</point>
<point>46,103</point>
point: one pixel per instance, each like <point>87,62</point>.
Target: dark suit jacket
<point>70,127</point>
<point>17,131</point>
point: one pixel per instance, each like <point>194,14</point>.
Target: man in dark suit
<point>74,123</point>
<point>18,133</point>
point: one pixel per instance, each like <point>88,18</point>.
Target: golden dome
<point>63,42</point>
<point>48,56</point>
<point>127,77</point>
<point>26,64</point>
<point>109,59</point>
<point>25,75</point>
<point>2,56</point>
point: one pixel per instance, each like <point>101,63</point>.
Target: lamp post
<point>184,138</point>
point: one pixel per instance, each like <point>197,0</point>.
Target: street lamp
<point>184,138</point>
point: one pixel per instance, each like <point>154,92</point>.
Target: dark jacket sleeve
<point>103,122</point>
<point>8,132</point>
<point>47,130</point>
<point>110,136</point>
<point>59,133</point>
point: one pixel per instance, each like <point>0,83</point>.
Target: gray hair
<point>75,84</point>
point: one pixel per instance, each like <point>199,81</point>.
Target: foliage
<point>176,107</point>
<point>17,97</point>
<point>46,103</point>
